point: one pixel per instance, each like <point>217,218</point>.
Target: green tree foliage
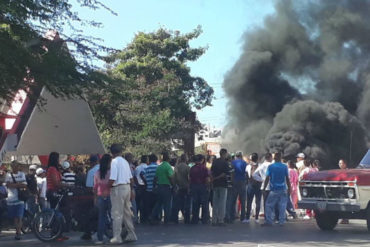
<point>150,105</point>
<point>29,60</point>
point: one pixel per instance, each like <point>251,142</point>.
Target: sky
<point>224,23</point>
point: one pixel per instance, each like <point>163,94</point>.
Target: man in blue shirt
<point>149,174</point>
<point>278,176</point>
<point>94,162</point>
<point>239,188</point>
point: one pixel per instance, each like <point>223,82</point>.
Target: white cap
<point>32,167</point>
<point>39,171</point>
<point>66,165</point>
<point>301,155</point>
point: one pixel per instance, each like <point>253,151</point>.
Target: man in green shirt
<point>163,181</point>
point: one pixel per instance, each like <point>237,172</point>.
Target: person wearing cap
<point>68,176</point>
<point>41,186</point>
<point>300,162</point>
<point>32,188</point>
<point>94,167</point>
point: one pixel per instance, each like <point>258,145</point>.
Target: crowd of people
<point>152,190</point>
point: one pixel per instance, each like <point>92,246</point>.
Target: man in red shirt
<point>199,189</point>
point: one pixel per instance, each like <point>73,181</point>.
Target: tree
<point>61,62</point>
<point>148,109</point>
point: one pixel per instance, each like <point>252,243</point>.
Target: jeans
<point>253,191</point>
<point>163,201</point>
<point>238,190</point>
<point>104,206</point>
<point>199,196</point>
<point>140,203</point>
<point>219,204</point>
<point>181,202</point>
<point>274,198</point>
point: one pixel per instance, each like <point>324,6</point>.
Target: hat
<point>94,158</point>
<point>66,165</point>
<point>301,155</point>
<point>32,167</point>
<point>39,171</point>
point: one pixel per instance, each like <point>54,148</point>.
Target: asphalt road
<point>294,233</point>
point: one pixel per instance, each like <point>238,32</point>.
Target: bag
<point>3,192</point>
<point>23,193</point>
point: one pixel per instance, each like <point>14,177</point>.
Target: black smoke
<point>302,82</point>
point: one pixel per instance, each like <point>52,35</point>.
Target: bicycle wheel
<point>48,225</point>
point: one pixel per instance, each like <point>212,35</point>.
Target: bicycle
<point>49,224</point>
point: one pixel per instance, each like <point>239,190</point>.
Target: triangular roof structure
<point>365,162</point>
<point>61,125</point>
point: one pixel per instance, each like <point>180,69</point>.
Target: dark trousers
<point>163,201</point>
<point>199,197</point>
<point>149,199</point>
<point>253,191</point>
<point>181,202</point>
<point>290,208</point>
<point>238,190</point>
<point>140,203</point>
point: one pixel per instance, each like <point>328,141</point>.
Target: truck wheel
<point>326,220</point>
<point>368,218</point>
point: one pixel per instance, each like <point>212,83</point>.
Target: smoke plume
<point>302,82</point>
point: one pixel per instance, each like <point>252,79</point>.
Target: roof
<point>65,126</point>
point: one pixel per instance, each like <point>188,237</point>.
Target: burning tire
<point>326,221</point>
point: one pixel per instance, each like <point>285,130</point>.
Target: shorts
<point>16,211</point>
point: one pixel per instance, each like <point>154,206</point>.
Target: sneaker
<point>115,241</point>
<point>17,236</point>
<point>245,221</point>
<point>306,217</point>
<point>257,221</point>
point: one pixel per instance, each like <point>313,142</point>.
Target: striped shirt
<point>69,178</point>
<point>149,174</point>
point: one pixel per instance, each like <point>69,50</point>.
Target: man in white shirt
<point>14,181</point>
<point>260,176</point>
<point>300,162</point>
<point>121,181</point>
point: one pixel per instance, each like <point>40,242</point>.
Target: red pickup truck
<point>338,194</point>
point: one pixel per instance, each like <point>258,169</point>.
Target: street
<point>294,233</point>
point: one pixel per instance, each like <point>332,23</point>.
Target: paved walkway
<point>294,233</point>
